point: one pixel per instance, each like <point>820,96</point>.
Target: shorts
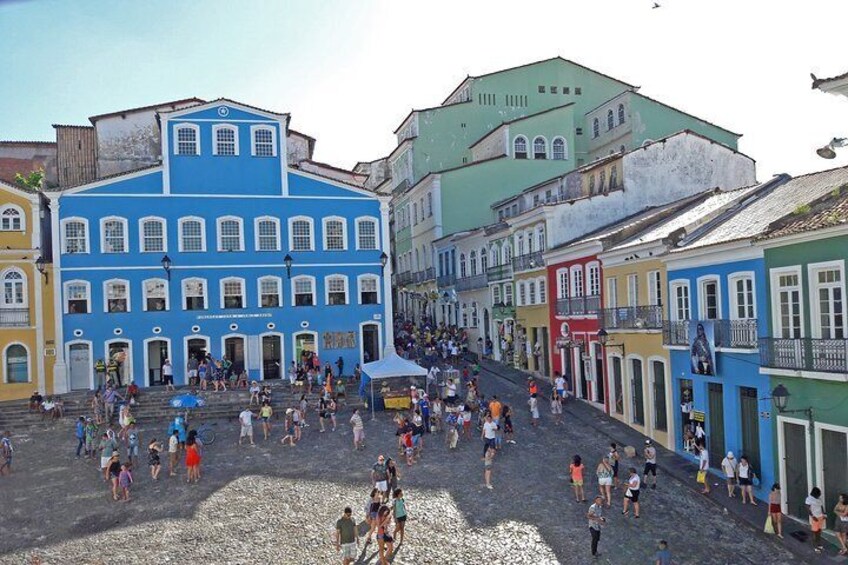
<point>246,431</point>
<point>382,486</point>
<point>615,469</point>
<point>841,526</point>
<point>168,379</point>
<point>577,483</point>
<point>410,451</point>
<point>349,550</point>
<point>290,431</point>
<point>775,509</point>
<point>266,418</point>
<point>104,462</point>
<point>400,519</point>
<point>132,451</point>
<point>745,481</point>
<point>650,468</point>
<point>535,414</point>
<point>358,435</point>
<point>634,495</point>
<point>605,481</point>
<point>192,373</point>
<point>561,392</point>
<point>816,524</point>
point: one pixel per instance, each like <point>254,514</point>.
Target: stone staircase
<point>154,405</point>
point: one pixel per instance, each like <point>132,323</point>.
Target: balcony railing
<point>739,334</point>
<point>499,272</point>
<point>14,317</point>
<point>445,281</point>
<point>425,275</point>
<point>528,261</point>
<point>403,278</point>
<point>578,306</point>
<point>806,354</point>
<point>633,318</point>
<point>471,283</point>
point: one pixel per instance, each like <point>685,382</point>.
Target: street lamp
<point>166,264</point>
<point>827,152</point>
<point>780,396</point>
<point>288,261</point>
<point>603,339</point>
<point>383,260</point>
<point>41,265</point>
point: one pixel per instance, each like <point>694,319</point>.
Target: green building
<point>807,353</point>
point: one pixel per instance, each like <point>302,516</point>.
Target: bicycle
<point>206,434</point>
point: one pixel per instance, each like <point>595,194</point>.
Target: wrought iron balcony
<point>739,334</point>
<point>14,317</point>
<point>578,305</point>
<point>805,354</point>
<point>499,272</point>
<point>633,318</point>
<point>445,281</point>
<point>425,275</point>
<point>472,282</point>
<point>403,278</point>
<point>528,261</point>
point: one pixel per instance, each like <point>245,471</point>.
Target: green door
<point>834,468</point>
<point>795,469</point>
<point>715,433</point>
<point>750,420</point>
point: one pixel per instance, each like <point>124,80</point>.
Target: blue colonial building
<point>223,249</point>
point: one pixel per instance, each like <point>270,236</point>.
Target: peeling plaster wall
<point>297,149</point>
<point>658,174</point>
<point>24,158</point>
<point>126,143</point>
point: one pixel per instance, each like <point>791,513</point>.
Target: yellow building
<point>531,293</point>
<point>26,308</point>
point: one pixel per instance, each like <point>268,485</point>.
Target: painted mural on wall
<point>339,340</point>
<point>702,358</point>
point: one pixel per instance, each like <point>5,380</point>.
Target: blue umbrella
<point>187,401</point>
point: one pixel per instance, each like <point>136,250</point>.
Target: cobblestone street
<point>279,504</point>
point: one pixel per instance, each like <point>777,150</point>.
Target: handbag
<point>769,527</point>
<point>628,493</point>
<point>702,476</point>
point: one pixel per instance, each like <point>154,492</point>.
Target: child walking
<point>125,480</point>
<point>576,470</point>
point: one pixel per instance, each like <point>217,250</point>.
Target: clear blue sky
<point>349,70</point>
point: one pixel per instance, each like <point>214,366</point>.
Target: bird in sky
<point>655,6</point>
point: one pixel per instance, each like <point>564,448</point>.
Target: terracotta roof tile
<point>826,212</point>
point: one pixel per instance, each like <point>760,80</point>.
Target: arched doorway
<point>196,347</point>
<point>119,361</point>
<point>80,367</point>
<point>157,351</point>
<point>272,356</point>
<point>304,341</point>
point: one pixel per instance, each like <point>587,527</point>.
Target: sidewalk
<point>796,535</point>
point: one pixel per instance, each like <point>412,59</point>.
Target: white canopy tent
<point>391,366</point>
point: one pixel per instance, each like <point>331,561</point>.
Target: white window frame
<point>633,290</point>
<point>258,127</point>
<point>508,297</point>
<point>774,276</point>
<point>531,292</point>
<point>126,236</point>
<point>106,285</point>
<point>6,347</point>
<point>218,127</point>
<point>360,279</point>
<point>593,278</point>
<point>545,142</point>
<point>24,281</point>
<point>674,313</point>
<point>526,147</point>
<point>256,235</point>
<point>563,277</point>
<point>522,294</point>
<point>578,284</point>
<point>221,297</point>
<point>218,223</point>
<point>75,282</point>
<point>611,297</point>
<point>815,308</point>
<point>326,220</point>
<point>144,295</point>
<point>654,288</point>
<point>564,149</point>
<point>141,242</point>
<point>496,294</point>
<point>621,114</point>
<point>732,279</point>
<point>278,281</point>
<point>21,217</point>
<point>183,292</point>
<point>314,290</point>
<point>311,222</point>
<point>376,224</point>
<point>327,289</point>
<point>181,244</point>
<point>542,289</point>
<point>185,125</point>
<point>702,302</point>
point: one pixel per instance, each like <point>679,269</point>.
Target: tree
<point>32,181</point>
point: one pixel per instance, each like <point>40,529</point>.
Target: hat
<point>647,442</point>
<point>730,455</point>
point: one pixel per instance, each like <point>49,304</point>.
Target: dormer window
<point>187,136</point>
<point>264,142</point>
<point>226,140</point>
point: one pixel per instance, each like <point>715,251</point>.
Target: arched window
<point>226,140</point>
<point>519,147</point>
<point>270,292</point>
<point>230,234</point>
<point>303,290</point>
<point>620,114</point>
<point>369,289</point>
<point>591,184</point>
<point>540,148</point>
<point>462,266</point>
<point>232,293</point>
<point>192,234</point>
<point>507,252</point>
<point>559,151</point>
<point>366,233</point>
<point>187,139</point>
<point>113,233</point>
<point>300,234</point>
<point>116,296</point>
<point>540,238</point>
<point>77,297</point>
<point>335,234</point>
<point>484,261</point>
<point>472,259</point>
<point>613,177</point>
<point>155,295</point>
<point>519,243</point>
<point>562,283</point>
<point>263,141</point>
<point>194,294</point>
<point>336,288</point>
<point>577,281</point>
<point>530,244</point>
<point>12,218</point>
<point>602,177</point>
<point>610,120</point>
<point>16,363</point>
<point>596,127</point>
<point>267,230</point>
<point>153,238</point>
<point>14,289</point>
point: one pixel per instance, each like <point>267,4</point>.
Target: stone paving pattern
<point>274,504</point>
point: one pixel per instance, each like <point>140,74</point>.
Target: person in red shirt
<point>531,386</point>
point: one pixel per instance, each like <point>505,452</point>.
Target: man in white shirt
<point>650,453</point>
<point>729,466</point>
<point>704,466</point>
<point>246,419</point>
<point>173,453</point>
<point>489,434</point>
<point>559,383</point>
